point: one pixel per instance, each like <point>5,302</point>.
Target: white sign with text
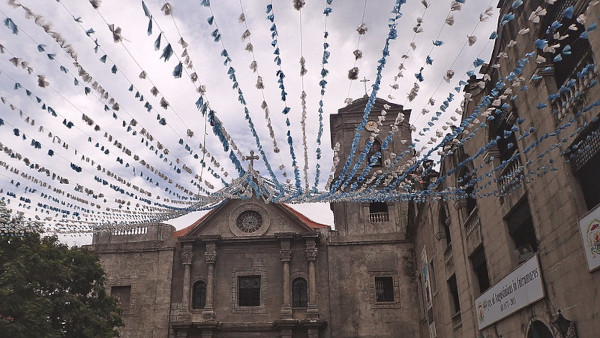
<point>520,288</point>
<point>589,225</point>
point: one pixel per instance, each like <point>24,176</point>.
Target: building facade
<point>251,269</point>
<point>513,255</point>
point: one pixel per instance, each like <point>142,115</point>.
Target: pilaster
<point>312,310</point>
<point>210,256</point>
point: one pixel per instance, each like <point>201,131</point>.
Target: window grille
<point>249,290</point>
<point>299,293</point>
<point>384,289</point>
<point>122,294</point>
<point>199,295</point>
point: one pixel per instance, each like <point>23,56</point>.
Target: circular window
<point>249,221</point>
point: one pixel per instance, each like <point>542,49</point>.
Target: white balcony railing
<point>131,231</point>
<point>379,217</point>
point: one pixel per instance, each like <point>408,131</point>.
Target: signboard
<point>520,288</point>
<point>428,301</point>
<point>589,226</point>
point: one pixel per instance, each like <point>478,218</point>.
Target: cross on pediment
<point>365,80</point>
<point>251,158</point>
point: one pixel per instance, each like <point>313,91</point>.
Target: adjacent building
<point>515,254</point>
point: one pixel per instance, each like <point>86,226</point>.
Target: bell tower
<point>387,134</point>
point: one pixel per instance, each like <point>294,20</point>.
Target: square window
<point>384,289</point>
<point>122,294</point>
<point>249,290</point>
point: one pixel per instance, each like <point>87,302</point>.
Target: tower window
<point>378,212</point>
<point>249,290</point>
<point>299,293</point>
<point>384,289</point>
<point>122,294</point>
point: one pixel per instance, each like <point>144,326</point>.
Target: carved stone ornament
<point>285,255</point>
<point>311,254</point>
<point>186,256</point>
<point>211,253</point>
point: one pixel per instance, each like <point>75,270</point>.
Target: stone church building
<point>251,269</point>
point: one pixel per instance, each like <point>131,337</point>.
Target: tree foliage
<point>50,290</point>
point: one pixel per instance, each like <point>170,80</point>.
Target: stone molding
<point>250,271</point>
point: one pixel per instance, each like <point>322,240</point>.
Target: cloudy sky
<point>300,34</point>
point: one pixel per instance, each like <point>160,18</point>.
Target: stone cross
<point>251,158</point>
<point>365,80</point>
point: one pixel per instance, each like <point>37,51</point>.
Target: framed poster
<point>589,226</point>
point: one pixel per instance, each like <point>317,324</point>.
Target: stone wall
<point>352,272</point>
<point>148,273</point>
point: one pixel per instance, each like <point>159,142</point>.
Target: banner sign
<point>589,226</point>
<point>520,288</point>
<point>428,299</point>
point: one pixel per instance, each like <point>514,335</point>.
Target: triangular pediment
<point>251,218</point>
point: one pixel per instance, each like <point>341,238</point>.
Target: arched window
<point>375,148</point>
<point>199,295</point>
<point>465,180</point>
<point>538,329</point>
<point>299,293</point>
<point>445,223</point>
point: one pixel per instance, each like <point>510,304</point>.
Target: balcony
<point>472,222</point>
<point>510,176</point>
<point>572,94</point>
<point>379,217</point>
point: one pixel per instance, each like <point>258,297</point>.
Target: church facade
<point>252,269</point>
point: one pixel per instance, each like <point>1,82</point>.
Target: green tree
<point>50,290</point>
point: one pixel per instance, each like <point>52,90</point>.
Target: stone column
<point>186,258</point>
<point>211,256</point>
<point>286,255</point>
<point>312,310</point>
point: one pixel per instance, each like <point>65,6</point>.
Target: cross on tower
<point>251,158</point>
<point>365,80</point>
